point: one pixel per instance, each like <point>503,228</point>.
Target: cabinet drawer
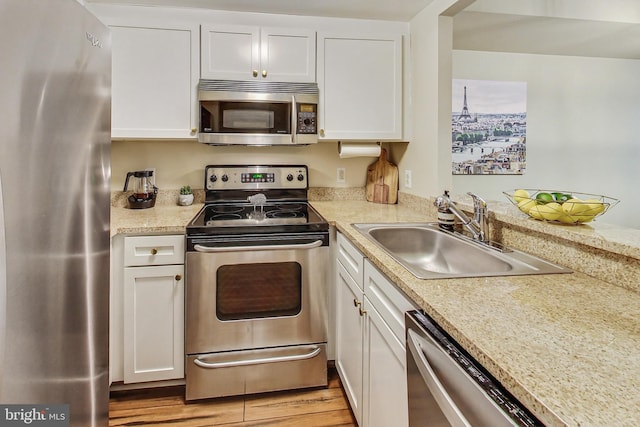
<point>351,259</point>
<point>388,300</point>
<point>153,250</point>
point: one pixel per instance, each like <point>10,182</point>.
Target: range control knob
<point>300,177</point>
<point>225,178</point>
<point>213,178</point>
<point>290,177</point>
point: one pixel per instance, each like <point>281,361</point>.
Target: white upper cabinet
<point>237,52</point>
<point>154,82</point>
<point>360,82</point>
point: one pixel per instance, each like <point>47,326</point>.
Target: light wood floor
<point>166,407</point>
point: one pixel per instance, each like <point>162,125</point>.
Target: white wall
<point>431,45</point>
<point>582,118</point>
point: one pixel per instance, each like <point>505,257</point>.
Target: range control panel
<point>256,177</point>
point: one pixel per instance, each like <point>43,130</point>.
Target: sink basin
<point>431,253</point>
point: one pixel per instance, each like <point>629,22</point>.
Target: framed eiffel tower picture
<point>488,127</point>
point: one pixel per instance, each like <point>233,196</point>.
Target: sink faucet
<point>478,226</point>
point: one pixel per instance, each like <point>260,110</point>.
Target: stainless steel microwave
<point>257,113</point>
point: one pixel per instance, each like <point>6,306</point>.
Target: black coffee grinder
<point>144,192</point>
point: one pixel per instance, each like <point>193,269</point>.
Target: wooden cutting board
<point>382,180</point>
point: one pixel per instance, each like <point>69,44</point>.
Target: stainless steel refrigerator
<point>55,114</point>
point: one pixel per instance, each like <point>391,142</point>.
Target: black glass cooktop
<point>273,217</point>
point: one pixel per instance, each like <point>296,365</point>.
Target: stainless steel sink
<point>431,253</point>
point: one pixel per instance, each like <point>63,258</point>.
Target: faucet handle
<point>478,201</point>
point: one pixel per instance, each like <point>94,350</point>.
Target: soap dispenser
<point>446,218</point>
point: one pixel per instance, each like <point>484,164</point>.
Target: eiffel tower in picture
<point>464,115</point>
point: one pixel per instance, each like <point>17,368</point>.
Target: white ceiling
<point>388,10</point>
<point>545,35</point>
<point>472,29</point>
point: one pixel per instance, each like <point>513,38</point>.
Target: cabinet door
<point>349,328</point>
<point>385,379</point>
<point>237,52</point>
<point>230,52</point>
<point>153,323</point>
<point>154,82</point>
<point>360,82</point>
<point>288,55</point>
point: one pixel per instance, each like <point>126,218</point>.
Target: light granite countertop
<point>567,346</point>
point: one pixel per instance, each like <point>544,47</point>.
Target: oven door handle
<point>203,248</point>
<point>233,363</point>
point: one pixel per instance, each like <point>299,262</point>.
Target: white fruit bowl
<point>562,207</point>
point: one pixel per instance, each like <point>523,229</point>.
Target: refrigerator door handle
<point>3,286</point>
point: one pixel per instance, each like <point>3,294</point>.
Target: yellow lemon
<point>520,195</point>
<point>566,219</point>
<point>526,204</point>
<point>595,206</point>
<point>575,207</point>
<point>534,212</point>
<point>586,217</point>
<point>550,211</point>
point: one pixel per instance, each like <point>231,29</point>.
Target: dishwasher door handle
<point>217,249</point>
<point>446,404</point>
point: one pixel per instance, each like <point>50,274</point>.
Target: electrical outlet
<point>153,177</point>
<point>340,176</point>
<point>407,178</point>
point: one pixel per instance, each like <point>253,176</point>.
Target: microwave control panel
<point>307,119</point>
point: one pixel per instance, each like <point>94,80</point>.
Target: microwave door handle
<point>294,120</point>
<point>203,248</point>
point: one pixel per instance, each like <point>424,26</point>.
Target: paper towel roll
<point>347,150</point>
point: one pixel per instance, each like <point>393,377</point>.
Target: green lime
<point>544,198</point>
<point>561,197</point>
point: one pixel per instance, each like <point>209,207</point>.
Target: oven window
<point>248,291</point>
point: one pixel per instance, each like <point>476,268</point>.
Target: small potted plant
<point>186,196</point>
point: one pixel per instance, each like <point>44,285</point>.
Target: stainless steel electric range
<point>256,286</point>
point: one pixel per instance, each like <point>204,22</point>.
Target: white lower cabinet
<point>147,309</point>
<point>153,319</point>
<point>349,338</point>
<point>370,350</point>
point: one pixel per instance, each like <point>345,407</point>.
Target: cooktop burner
<point>220,215</point>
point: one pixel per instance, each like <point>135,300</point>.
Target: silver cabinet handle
<point>234,363</point>
<point>446,404</point>
<point>202,248</point>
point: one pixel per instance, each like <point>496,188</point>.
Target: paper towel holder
<point>359,149</point>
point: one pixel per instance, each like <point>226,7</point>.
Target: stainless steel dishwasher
<point>447,387</point>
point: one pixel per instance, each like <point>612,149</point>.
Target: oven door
<point>256,295</point>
